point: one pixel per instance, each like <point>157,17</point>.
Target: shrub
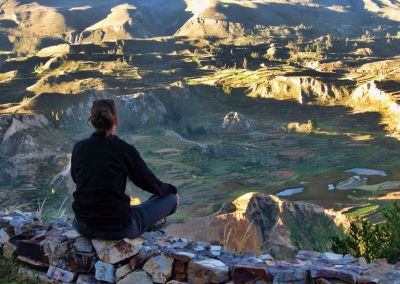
<point>372,241</point>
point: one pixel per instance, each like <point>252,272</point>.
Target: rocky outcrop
<point>55,253</point>
<point>55,50</point>
<point>142,108</point>
<point>210,28</point>
<point>300,88</point>
<point>235,122</point>
<point>258,223</point>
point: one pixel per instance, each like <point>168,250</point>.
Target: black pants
<point>142,217</point>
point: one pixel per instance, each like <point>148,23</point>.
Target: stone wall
<point>55,253</point>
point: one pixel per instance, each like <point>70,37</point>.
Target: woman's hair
<point>102,115</point>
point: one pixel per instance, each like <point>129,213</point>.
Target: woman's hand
<point>177,200</point>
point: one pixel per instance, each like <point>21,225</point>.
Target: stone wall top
<point>55,253</point>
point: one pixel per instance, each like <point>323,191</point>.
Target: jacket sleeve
<point>143,177</point>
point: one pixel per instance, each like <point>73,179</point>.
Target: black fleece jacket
<point>100,167</point>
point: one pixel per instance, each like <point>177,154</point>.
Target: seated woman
<point>100,166</point>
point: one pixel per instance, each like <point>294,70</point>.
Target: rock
<point>104,271</point>
<point>116,251</point>
<point>265,257</point>
<point>54,50</point>
<point>136,277</point>
<point>362,261</point>
<point>61,275</point>
<point>138,260</point>
<point>244,274</point>
<point>331,256</point>
<point>183,256</point>
<point>235,122</point>
<point>4,236</point>
<point>215,250</point>
<point>159,267</point>
<point>123,271</point>
<point>32,249</point>
<point>292,276</point>
<point>330,273</point>
<point>86,279</point>
<point>80,262</point>
<point>352,183</point>
<point>9,250</point>
<point>83,245</point>
<point>71,234</point>
<point>207,271</point>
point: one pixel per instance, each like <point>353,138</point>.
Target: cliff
<point>55,253</point>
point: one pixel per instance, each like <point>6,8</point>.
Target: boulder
<point>116,251</point>
<point>159,267</point>
<point>207,271</point>
<point>235,122</point>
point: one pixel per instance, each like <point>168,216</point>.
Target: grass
<point>8,272</point>
<point>361,211</point>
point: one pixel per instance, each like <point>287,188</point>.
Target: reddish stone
<point>180,277</point>
<point>81,262</point>
<point>32,249</point>
<point>180,267</point>
<point>380,261</point>
<point>322,281</point>
<point>42,266</point>
<point>138,260</point>
<point>244,273</point>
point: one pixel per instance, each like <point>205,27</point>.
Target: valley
<point>221,98</point>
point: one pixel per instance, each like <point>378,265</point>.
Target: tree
<point>373,241</point>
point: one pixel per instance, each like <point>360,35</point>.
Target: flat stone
<point>329,273</point>
<point>32,249</point>
<point>4,236</point>
<point>138,260</point>
<point>244,273</point>
<point>139,277</point>
<point>331,256</point>
<point>183,256</point>
<point>215,250</point>
<point>9,250</point>
<point>83,245</point>
<point>265,257</point>
<point>159,267</point>
<point>123,271</point>
<point>104,271</point>
<point>61,275</point>
<point>86,279</point>
<point>293,276</point>
<point>207,271</point>
<point>34,263</point>
<point>57,246</point>
<point>71,234</point>
<point>80,262</point>
<point>116,251</point>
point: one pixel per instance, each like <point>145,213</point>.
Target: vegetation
<point>361,211</point>
<point>373,241</point>
<point>8,272</point>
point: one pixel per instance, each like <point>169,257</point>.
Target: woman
<point>100,166</point>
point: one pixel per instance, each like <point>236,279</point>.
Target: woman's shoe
<point>158,226</point>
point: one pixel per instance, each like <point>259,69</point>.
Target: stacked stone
<point>55,253</point>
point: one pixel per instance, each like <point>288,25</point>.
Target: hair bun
<point>102,119</point>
